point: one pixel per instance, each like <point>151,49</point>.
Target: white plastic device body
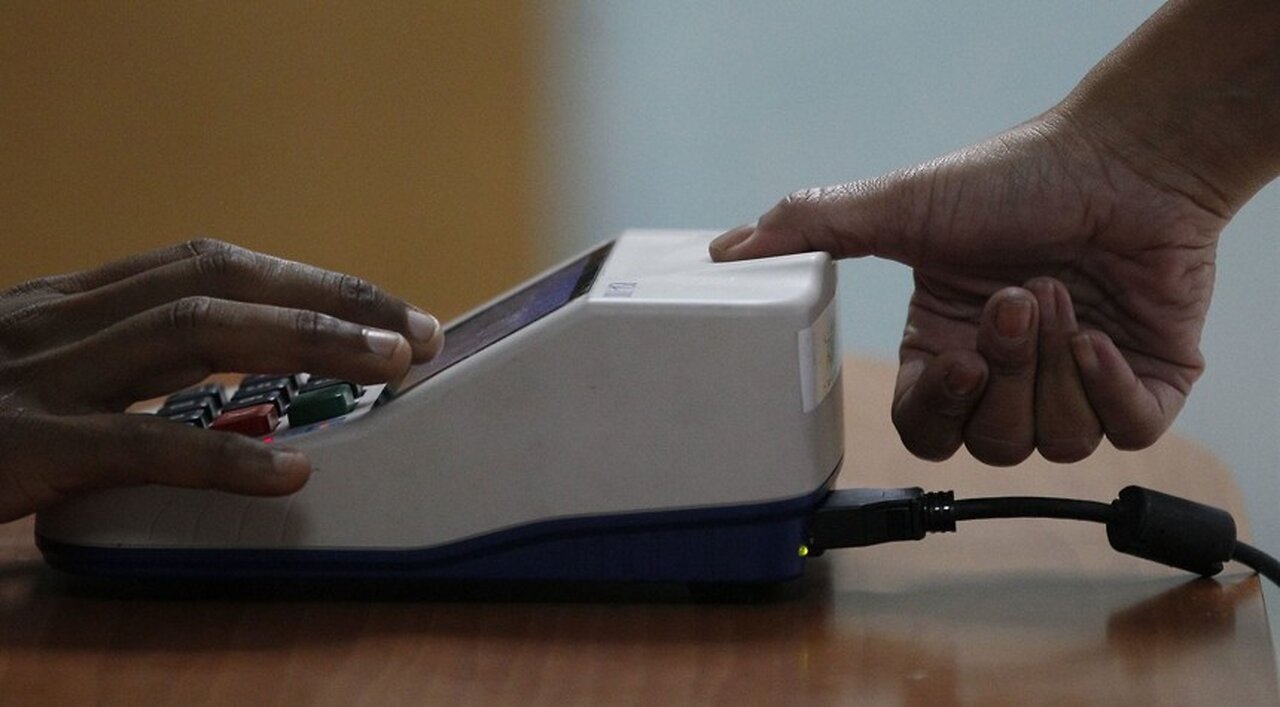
<point>670,389</point>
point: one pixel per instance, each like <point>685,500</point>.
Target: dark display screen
<point>508,316</point>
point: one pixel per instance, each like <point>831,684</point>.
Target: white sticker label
<point>620,289</point>
<point>819,358</point>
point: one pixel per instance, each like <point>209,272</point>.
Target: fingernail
<point>962,381</point>
<point>382,343</point>
<point>290,462</point>
<point>728,240</point>
<point>1013,318</point>
<point>1047,296</point>
<point>422,326</point>
<point>1086,355</point>
<point>436,345</point>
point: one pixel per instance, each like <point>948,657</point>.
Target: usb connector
<point>1141,522</point>
<point>861,517</point>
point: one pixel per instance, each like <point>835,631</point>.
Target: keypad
<point>323,402</point>
<point>288,380</point>
<point>272,387</point>
<point>213,391</point>
<point>255,421</point>
<point>199,417</point>
<point>261,403</point>
<point>269,397</point>
<point>205,407</point>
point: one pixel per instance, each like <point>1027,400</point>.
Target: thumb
<point>45,459</point>
<point>869,217</point>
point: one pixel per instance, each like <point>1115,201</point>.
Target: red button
<point>253,421</point>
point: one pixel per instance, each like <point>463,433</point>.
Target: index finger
<point>115,270</point>
<point>229,273</point>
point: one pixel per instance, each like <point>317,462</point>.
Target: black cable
<point>1257,560</point>
<point>1032,507</point>
<point>1140,522</point>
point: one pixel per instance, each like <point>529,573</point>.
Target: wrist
<point>1191,100</point>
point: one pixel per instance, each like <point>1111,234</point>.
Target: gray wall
<point>678,114</point>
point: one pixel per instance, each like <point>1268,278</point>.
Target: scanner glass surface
<point>508,315</point>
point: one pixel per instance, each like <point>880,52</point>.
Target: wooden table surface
<point>1003,612</point>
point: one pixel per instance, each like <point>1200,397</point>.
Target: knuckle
<point>360,293</point>
<point>25,316</point>
<point>189,313</point>
<point>38,286</point>
<point>813,215</point>
<point>226,262</point>
<point>929,447</point>
<point>936,454</point>
<point>313,327</point>
<point>24,327</point>
<point>1135,438</point>
<point>203,245</point>
<point>999,457</point>
<point>1067,451</point>
<point>997,452</point>
<point>17,426</point>
<point>931,443</point>
<point>792,206</point>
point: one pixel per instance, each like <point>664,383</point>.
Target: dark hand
<point>76,350</point>
<point>1060,294</point>
<point>1063,270</point>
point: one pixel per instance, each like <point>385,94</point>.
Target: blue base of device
<point>747,544</point>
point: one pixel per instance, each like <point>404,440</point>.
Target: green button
<point>316,405</point>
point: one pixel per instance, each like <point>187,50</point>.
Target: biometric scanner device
<point>639,413</point>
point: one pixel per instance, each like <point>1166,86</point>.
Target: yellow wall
<point>388,139</point>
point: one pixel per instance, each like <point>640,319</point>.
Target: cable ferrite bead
<point>1172,531</point>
